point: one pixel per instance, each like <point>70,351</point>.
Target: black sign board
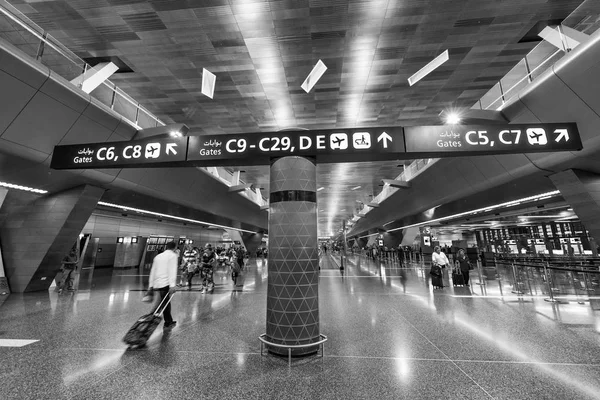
<point>438,141</point>
<point>336,145</point>
<point>135,153</point>
<point>326,146</point>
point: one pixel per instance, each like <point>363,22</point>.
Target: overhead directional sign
<point>136,153</point>
<point>325,146</point>
<point>492,139</point>
<point>337,145</point>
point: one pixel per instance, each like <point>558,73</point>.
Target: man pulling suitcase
<point>163,280</point>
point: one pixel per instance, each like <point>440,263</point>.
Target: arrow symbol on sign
<point>563,134</point>
<point>171,148</point>
<point>385,137</point>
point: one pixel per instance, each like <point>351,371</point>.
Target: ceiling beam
<point>373,205</point>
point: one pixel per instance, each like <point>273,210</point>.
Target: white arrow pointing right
<point>171,148</point>
<point>563,134</point>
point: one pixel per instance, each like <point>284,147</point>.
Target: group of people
<point>196,261</point>
<point>439,260</point>
<point>163,275</point>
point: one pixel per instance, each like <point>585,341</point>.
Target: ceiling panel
<point>261,52</point>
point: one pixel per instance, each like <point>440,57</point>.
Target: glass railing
<point>18,30</point>
<point>585,19</point>
<point>556,279</point>
<point>411,171</point>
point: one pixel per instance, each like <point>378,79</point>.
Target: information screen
<point>492,139</point>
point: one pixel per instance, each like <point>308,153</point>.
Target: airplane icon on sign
<point>338,141</point>
<point>152,150</point>
<point>537,136</point>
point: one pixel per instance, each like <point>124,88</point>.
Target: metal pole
<point>550,299</point>
<point>40,51</point>
<point>481,281</point>
<point>516,289</point>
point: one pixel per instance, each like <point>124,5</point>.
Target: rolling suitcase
<point>144,327</point>
<point>437,277</point>
<point>457,278</point>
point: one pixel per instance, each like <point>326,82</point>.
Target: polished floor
<point>387,340</point>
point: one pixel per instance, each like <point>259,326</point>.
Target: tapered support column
<point>293,289</point>
<point>581,189</point>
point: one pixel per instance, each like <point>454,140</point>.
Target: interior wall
<point>105,227</point>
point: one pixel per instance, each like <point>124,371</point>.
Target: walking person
<point>69,263</point>
<point>190,262</point>
<point>464,264</point>
<point>163,279</point>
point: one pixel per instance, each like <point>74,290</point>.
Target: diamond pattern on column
<point>292,294</point>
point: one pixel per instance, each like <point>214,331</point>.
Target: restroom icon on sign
<point>361,140</point>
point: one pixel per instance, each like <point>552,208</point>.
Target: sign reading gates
<point>339,145</point>
<point>326,146</point>
<point>492,139</point>
<point>135,153</point>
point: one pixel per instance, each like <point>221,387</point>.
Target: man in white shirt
<point>439,257</point>
<point>163,278</point>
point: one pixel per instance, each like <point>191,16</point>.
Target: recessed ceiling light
<point>452,118</point>
<point>356,187</point>
<point>319,189</point>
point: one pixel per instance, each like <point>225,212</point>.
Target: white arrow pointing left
<point>385,137</point>
<point>171,148</point>
<point>563,134</point>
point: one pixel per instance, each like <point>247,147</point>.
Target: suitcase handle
<point>167,298</point>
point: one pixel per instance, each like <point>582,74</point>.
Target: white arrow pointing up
<point>385,137</point>
<point>563,134</point>
<point>171,148</point>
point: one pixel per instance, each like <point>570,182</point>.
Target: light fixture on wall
<point>120,240</point>
<point>134,239</point>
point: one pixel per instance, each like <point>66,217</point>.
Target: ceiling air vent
<point>464,23</point>
<point>532,34</point>
<point>123,68</point>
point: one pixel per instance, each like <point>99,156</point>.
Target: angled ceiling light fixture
<point>426,70</point>
<point>314,76</point>
<point>24,188</point>
<point>157,214</point>
<point>208,83</point>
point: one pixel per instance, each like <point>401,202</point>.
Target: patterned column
<point>293,289</point>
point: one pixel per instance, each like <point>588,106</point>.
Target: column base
<point>290,351</point>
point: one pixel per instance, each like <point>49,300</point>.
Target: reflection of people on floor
<point>403,280</point>
<point>69,263</point>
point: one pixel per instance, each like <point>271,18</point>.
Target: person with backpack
<point>189,261</point>
<point>208,262</point>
